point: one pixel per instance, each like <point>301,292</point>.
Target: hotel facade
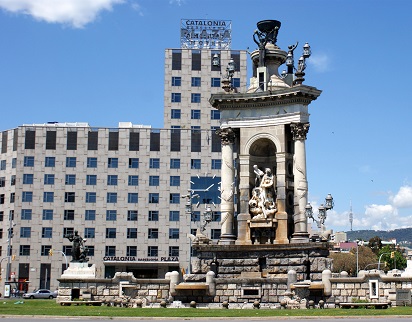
<point>123,189</point>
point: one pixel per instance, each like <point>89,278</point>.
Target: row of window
<point>196,81</point>
<point>113,144</point>
<point>111,215</point>
<point>71,162</point>
<point>90,232</point>
<point>194,114</point>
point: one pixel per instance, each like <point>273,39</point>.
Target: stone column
<point>227,137</point>
<point>243,216</point>
<point>299,131</point>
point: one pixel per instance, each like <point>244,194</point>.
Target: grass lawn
<point>49,307</point>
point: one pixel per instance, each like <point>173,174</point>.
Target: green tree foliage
<point>347,261</point>
<point>375,243</point>
<point>397,261</point>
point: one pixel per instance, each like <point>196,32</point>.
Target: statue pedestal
<point>79,271</point>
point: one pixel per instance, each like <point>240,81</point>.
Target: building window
<point>1,215</point>
<point>27,162</point>
<point>174,198</point>
<point>47,232</point>
<point>215,82</point>
<point>195,114</point>
<point>70,179</point>
<point>173,233</point>
<point>216,216</point>
<point>47,214</point>
<point>155,140</point>
<point>132,215</point>
<point>24,250</point>
<point>215,115</point>
<point>154,181</point>
<point>69,197</point>
<point>92,140</point>
<point>175,113</point>
<point>152,251</point>
<point>236,82</point>
<point>92,162</point>
<point>131,251</point>
<point>195,164</point>
<point>91,179</point>
<point>91,197</point>
<point>70,162</point>
<point>175,138</point>
<point>67,250</point>
<point>89,232</point>
<point>49,162</point>
<point>68,214</point>
<point>176,97</point>
<point>3,165</point>
<point>90,214</point>
<point>196,139</point>
<point>215,233</point>
<point>195,217</point>
<point>174,181</point>
<point>216,164</point>
<point>174,251</point>
<point>153,197</point>
<point>133,180</point>
<point>153,233</point>
<point>27,178</point>
<point>113,140</point>
<point>2,199</point>
<point>153,215</point>
<point>71,140</point>
<point>90,250</point>
<point>134,141</point>
<point>174,215</point>
<point>196,81</point>
<point>30,139</point>
<point>176,59</point>
<point>68,231</point>
<point>154,163</point>
<point>196,60</point>
<point>110,232</point>
<point>216,142</point>
<point>112,162</point>
<point>112,180</point>
<point>12,197</point>
<point>174,163</point>
<point>195,97</point>
<point>133,163</point>
<point>112,197</point>
<point>132,197</point>
<point>27,196</point>
<point>26,214</point>
<point>13,180</point>
<point>48,178</point>
<point>13,163</point>
<point>45,249</point>
<point>131,232</point>
<point>25,232</point>
<point>111,215</point>
<point>176,81</point>
<point>110,251</point>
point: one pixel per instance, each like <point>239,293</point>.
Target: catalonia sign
<point>207,34</point>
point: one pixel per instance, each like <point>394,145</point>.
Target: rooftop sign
<point>208,34</point>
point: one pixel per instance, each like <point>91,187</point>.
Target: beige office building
<point>121,188</point>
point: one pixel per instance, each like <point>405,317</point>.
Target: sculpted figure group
<point>262,204</point>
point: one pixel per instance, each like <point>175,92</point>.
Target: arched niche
<point>262,152</point>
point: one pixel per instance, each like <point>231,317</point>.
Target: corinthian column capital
<point>227,136</point>
<point>299,130</point>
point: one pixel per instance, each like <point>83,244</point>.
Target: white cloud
<point>76,13</point>
<point>320,62</point>
<point>403,199</point>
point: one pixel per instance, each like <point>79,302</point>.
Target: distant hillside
<point>403,236</point>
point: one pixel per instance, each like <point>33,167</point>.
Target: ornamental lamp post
<point>322,211</point>
<point>207,218</point>
<point>216,60</point>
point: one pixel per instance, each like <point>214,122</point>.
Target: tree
<point>392,257</point>
<point>375,243</point>
<point>347,261</point>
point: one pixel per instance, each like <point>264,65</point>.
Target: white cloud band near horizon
<point>75,13</point>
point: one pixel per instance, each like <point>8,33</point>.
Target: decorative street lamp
<point>216,60</point>
<point>189,213</point>
<point>207,218</point>
<point>321,211</point>
<point>230,71</point>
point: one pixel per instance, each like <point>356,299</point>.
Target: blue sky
<point>102,62</point>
